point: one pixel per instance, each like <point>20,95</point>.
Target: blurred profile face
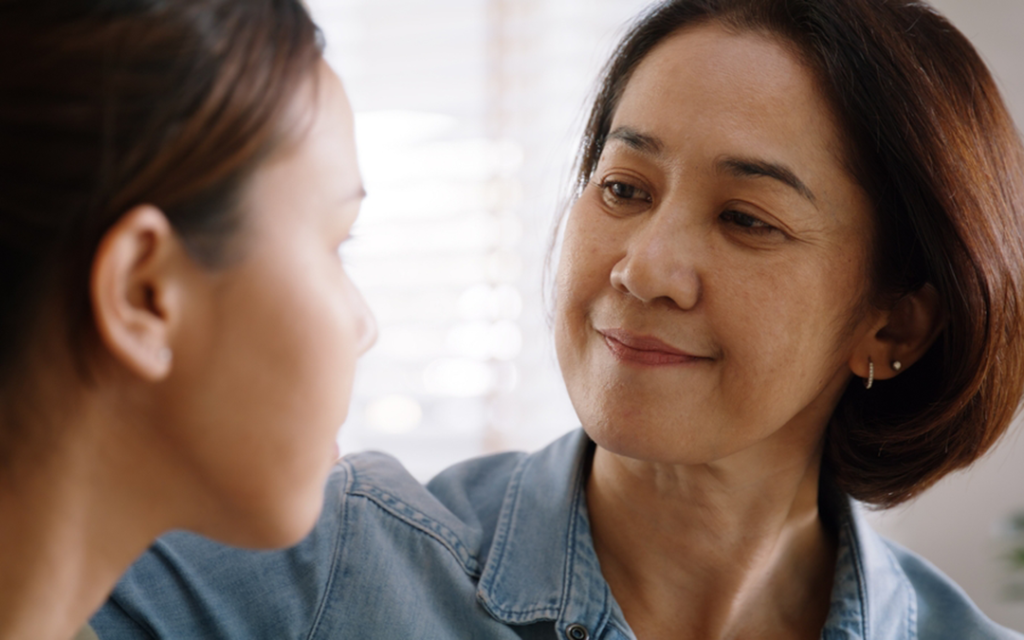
<point>713,273</point>
<point>263,379</point>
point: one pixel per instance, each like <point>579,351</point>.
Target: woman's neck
<point>733,549</point>
<point>70,524</point>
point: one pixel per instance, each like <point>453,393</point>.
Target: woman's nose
<point>660,265</point>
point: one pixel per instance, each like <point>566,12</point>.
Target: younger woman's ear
<point>135,291</point>
<point>904,334</point>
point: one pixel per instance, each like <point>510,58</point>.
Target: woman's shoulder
<point>888,591</point>
<point>382,541</point>
<point>459,508</point>
<point>944,610</point>
<point>464,501</point>
<point>459,490</point>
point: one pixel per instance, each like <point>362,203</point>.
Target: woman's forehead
<point>716,92</point>
<point>708,74</point>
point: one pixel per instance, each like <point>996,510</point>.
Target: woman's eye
<point>618,192</point>
<point>748,223</point>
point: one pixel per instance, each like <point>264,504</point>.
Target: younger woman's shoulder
<point>467,484</point>
<point>459,508</point>
<point>382,541</point>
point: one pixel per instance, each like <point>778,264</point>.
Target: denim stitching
<point>858,562</point>
<point>335,561</point>
<point>498,547</point>
<point>143,624</point>
<point>416,519</point>
<point>570,555</point>
<point>908,591</point>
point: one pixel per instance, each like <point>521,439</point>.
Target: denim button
<point>577,632</point>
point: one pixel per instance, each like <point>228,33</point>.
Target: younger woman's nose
<point>366,323</point>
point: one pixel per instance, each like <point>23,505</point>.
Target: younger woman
<point>178,334</point>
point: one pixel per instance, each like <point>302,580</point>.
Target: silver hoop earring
<point>871,375</point>
<point>897,365</point>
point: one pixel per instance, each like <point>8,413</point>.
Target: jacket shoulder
<point>187,586</point>
<point>458,509</point>
<point>944,610</point>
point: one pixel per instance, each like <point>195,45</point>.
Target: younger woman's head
<point>175,180</point>
<point>799,194</point>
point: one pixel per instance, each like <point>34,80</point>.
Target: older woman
<point>179,337</point>
<point>792,276</point>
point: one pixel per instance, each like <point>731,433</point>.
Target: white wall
<point>960,524</point>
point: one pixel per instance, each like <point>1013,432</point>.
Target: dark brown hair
<point>933,145</point>
<point>108,104</point>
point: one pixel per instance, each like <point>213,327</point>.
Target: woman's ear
<point>136,292</point>
<point>902,335</point>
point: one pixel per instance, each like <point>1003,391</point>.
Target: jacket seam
<point>424,524</point>
<point>858,562</point>
<point>605,620</point>
<point>908,590</point>
<point>144,625</point>
<point>497,555</point>
<point>570,545</point>
<point>335,553</point>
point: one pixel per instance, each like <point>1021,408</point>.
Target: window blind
<point>467,115</point>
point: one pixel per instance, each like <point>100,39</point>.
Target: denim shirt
<point>496,547</point>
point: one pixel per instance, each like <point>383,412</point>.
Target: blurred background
<point>467,115</point>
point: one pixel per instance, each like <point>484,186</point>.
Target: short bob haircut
<point>935,148</point>
<point>110,104</point>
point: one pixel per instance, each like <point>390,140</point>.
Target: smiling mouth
<point>646,350</point>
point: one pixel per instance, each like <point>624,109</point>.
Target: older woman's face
<point>713,276</point>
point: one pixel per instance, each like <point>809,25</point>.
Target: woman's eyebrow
<point>739,167</point>
<point>753,168</point>
<point>645,144</point>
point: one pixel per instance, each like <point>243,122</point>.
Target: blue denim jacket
<point>497,547</point>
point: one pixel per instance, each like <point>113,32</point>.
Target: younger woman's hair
<point>935,148</point>
<point>109,104</point>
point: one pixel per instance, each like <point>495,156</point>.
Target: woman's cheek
<point>343,327</point>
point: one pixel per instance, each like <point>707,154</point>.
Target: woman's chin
<point>629,440</point>
<point>275,522</point>
<point>653,443</point>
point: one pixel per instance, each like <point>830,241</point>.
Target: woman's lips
<point>647,350</point>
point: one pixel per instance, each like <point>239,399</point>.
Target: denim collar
<point>542,565</point>
<point>872,597</point>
